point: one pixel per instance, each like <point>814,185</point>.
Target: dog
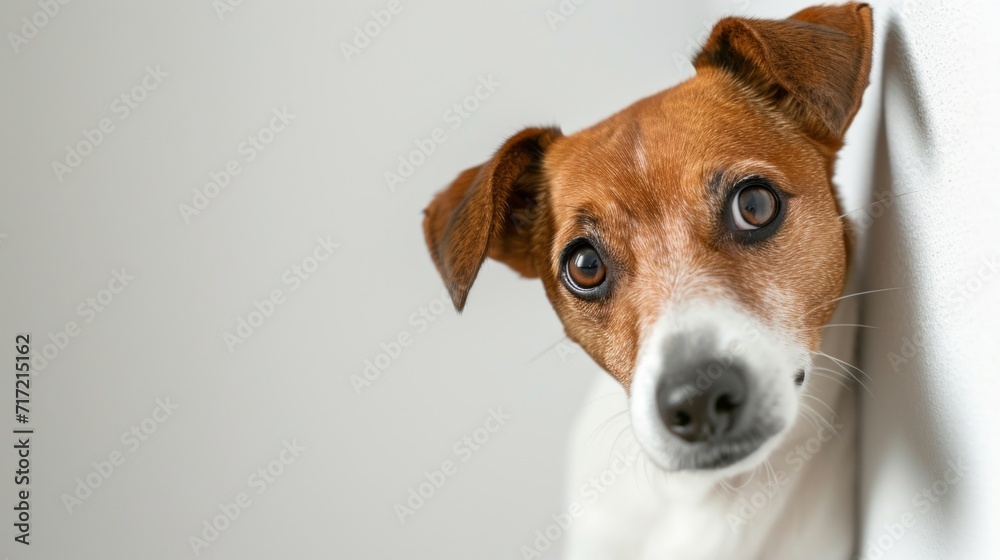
<point>693,244</point>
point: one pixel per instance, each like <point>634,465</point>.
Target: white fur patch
<point>726,335</point>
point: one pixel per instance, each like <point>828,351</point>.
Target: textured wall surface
<point>929,444</point>
<point>276,124</point>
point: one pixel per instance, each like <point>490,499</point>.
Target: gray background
<point>323,176</point>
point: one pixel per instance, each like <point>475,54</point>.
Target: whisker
<point>771,473</point>
<point>724,485</point>
<point>833,429</point>
<point>848,325</point>
<point>649,470</point>
<point>635,467</point>
<point>639,468</point>
<point>846,374</point>
<point>614,442</point>
<point>654,474</point>
<point>856,294</point>
<point>818,417</point>
<point>838,360</point>
<point>728,485</point>
<point>749,479</point>
<point>812,413</point>
<point>831,378</point>
<point>604,425</point>
<point>820,401</point>
<point>810,420</point>
<point>615,394</point>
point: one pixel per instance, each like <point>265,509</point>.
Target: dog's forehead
<point>662,152</point>
<point>648,158</point>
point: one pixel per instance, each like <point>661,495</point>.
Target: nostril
<point>723,413</point>
<point>726,403</point>
<point>681,418</point>
<point>680,407</point>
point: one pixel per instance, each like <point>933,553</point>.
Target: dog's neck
<point>808,482</point>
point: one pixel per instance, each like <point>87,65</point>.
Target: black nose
<point>704,403</point>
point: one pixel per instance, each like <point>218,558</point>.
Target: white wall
<point>162,336</point>
<point>930,450</point>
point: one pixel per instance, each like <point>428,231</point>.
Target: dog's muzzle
<point>712,387</point>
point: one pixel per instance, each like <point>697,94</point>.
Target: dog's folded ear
<point>813,66</point>
<point>489,210</point>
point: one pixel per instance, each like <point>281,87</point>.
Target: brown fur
<point>772,98</point>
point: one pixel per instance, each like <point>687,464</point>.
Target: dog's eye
<point>754,206</point>
<point>584,268</point>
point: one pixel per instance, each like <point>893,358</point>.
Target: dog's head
<point>692,244</point>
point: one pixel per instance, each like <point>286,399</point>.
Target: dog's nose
<point>704,403</point>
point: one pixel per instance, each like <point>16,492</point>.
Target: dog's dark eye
<point>584,268</point>
<point>754,206</point>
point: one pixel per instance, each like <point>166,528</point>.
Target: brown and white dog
<point>694,246</point>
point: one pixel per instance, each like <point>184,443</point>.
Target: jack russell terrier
<point>694,246</point>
